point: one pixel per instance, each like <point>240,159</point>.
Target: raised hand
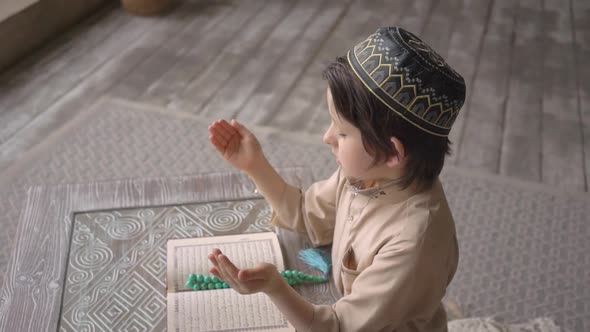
<point>264,277</point>
<point>236,144</point>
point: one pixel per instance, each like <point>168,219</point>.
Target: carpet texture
<point>523,246</point>
<point>122,253</point>
<point>491,325</point>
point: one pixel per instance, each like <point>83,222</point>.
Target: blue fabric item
<point>317,259</point>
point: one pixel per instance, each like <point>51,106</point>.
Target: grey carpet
<point>122,253</point>
<point>523,246</point>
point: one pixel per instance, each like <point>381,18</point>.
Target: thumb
<point>260,271</point>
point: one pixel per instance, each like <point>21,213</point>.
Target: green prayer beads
<point>207,282</point>
<point>295,277</point>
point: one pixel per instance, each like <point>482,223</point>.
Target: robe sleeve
<point>313,212</point>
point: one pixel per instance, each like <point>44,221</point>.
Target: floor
<point>527,113</point>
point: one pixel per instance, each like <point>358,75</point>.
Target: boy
<point>392,101</point>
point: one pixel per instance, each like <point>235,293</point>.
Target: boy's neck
<point>383,176</point>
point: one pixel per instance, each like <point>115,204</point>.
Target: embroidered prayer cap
<point>410,78</point>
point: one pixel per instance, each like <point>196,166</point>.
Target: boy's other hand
<point>263,277</point>
<point>236,144</point>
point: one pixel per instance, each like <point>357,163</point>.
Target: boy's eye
<point>342,135</point>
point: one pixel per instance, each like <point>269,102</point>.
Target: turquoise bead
<point>196,287</point>
<point>218,285</point>
<point>214,279</point>
<point>288,273</point>
<point>211,285</point>
<point>206,279</point>
<point>225,284</point>
<point>188,284</point>
<point>200,278</point>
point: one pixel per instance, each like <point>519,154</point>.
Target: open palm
<point>263,277</point>
<point>236,144</point>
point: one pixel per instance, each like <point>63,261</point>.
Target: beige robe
<point>394,252</point>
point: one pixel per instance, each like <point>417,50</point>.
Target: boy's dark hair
<point>377,123</point>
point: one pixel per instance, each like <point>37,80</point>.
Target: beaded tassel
<point>317,259</point>
<point>207,282</point>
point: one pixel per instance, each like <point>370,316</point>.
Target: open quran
<point>221,309</point>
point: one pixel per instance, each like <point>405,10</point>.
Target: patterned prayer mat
<point>123,254</point>
<point>523,246</point>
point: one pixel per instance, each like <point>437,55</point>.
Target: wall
<point>11,7</point>
<point>30,28</point>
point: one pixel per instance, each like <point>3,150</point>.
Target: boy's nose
<point>328,137</point>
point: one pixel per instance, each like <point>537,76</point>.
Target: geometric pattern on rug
<point>116,275</point>
<point>523,247</point>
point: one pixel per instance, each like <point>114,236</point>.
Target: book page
<point>221,309</point>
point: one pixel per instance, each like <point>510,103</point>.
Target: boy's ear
<point>399,155</point>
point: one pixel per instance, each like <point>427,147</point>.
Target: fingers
<point>228,129</point>
<point>217,143</point>
<point>227,266</point>
<point>223,136</point>
<point>216,273</point>
<point>215,269</point>
<point>223,268</point>
<point>213,257</point>
<point>219,134</point>
<point>223,129</point>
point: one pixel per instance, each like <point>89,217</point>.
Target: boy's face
<point>347,145</point>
